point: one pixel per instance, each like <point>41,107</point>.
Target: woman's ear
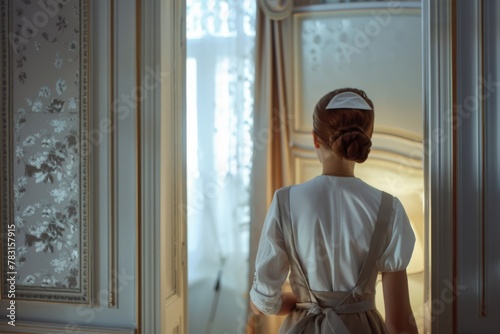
<point>315,139</point>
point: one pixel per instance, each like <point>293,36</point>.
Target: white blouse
<point>332,219</point>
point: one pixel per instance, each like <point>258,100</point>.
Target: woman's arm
<point>398,314</point>
<point>288,301</point>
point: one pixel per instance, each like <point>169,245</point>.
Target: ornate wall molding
<point>45,143</point>
<point>43,328</point>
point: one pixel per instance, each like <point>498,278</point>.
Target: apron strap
<point>301,282</point>
<point>377,244</point>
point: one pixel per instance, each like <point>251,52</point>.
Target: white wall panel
<point>109,69</point>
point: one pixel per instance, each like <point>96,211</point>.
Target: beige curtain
<point>272,167</point>
<point>272,95</point>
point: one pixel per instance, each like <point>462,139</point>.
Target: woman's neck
<point>338,172</point>
<point>337,166</point>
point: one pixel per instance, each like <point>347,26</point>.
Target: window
<point>220,70</point>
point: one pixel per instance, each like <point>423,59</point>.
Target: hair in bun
<point>352,143</point>
<point>346,131</point>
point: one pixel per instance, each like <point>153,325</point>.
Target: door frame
<point>161,183</point>
<point>162,157</point>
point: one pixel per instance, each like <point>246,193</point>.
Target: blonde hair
<point>345,131</point>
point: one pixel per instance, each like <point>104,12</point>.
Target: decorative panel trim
<point>385,145</point>
<point>76,290</point>
<point>44,328</point>
<point>5,137</point>
<point>146,303</point>
<point>174,325</point>
<point>354,6</point>
<point>409,176</point>
<point>112,173</point>
<point>375,154</point>
<point>399,8</point>
<point>173,183</point>
<point>397,168</point>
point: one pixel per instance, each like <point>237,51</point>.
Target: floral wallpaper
<point>47,165</point>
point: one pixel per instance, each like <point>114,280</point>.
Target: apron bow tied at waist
<point>331,305</point>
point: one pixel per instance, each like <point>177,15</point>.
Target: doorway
<point>396,163</point>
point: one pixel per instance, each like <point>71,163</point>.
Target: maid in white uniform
<point>333,234</point>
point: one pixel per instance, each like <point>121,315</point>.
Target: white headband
<point>348,100</point>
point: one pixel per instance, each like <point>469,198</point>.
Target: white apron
<point>339,312</point>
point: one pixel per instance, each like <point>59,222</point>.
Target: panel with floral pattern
<point>45,121</point>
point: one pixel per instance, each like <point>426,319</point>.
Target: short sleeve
<point>398,253</point>
<point>271,263</point>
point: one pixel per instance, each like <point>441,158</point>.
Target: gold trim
<point>85,70</point>
<point>112,245</point>
<point>178,85</point>
<point>174,228</point>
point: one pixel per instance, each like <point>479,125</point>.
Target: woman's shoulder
<point>348,186</point>
<point>332,183</point>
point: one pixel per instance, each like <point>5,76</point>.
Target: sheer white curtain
<point>220,72</point>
